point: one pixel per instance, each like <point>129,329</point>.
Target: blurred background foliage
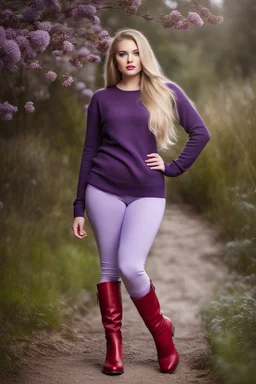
<point>43,267</point>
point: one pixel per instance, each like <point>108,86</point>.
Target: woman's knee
<point>130,271</point>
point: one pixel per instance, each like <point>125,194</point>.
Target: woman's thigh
<point>141,222</point>
<point>105,213</point>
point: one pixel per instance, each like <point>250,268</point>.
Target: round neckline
<point>127,90</point>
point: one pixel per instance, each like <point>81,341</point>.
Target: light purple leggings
<point>124,228</point>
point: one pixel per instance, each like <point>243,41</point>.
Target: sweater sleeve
<point>93,138</point>
<point>198,133</point>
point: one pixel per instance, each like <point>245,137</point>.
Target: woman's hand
<point>78,227</point>
<point>155,161</point>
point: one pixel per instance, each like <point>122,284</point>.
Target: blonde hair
<point>156,96</point>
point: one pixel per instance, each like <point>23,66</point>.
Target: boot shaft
<point>149,309</point>
<point>110,303</point>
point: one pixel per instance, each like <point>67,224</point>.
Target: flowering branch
<point>42,26</point>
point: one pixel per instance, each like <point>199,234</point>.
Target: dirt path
<point>185,272</point>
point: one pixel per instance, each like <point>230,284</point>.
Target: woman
<point>122,185</point>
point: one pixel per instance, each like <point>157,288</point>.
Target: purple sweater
<point>118,140</point>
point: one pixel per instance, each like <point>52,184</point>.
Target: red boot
<point>161,329</point>
<point>110,302</point>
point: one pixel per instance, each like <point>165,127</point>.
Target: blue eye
<point>121,54</point>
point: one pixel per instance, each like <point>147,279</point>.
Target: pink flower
<point>29,106</point>
<point>33,65</point>
<point>130,6</point>
<point>92,58</point>
<point>170,21</point>
<point>75,62</point>
<point>51,76</point>
<point>68,81</point>
<point>182,25</point>
<point>205,12</point>
<point>195,19</point>
<point>67,46</point>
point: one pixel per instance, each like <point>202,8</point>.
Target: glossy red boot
<point>110,303</point>
<point>161,329</point>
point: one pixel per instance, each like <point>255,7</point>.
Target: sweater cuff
<point>78,210</point>
<point>172,169</point>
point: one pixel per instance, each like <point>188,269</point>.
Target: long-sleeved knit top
<point>118,140</point>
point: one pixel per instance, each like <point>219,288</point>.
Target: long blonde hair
<point>157,97</point>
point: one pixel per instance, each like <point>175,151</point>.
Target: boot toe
<point>113,369</point>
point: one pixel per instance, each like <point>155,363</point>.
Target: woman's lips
<point>131,67</point>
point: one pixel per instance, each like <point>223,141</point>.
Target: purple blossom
<point>44,25</point>
<point>29,106</point>
<point>33,65</point>
<point>96,20</point>
<point>23,32</point>
<point>10,55</point>
<point>39,40</point>
<point>2,37</point>
<point>182,25</point>
<point>31,14</point>
<point>52,5</point>
<point>176,15</point>
<point>67,46</point>
<point>83,51</point>
<point>7,110</point>
<point>68,81</point>
<point>103,35</point>
<point>195,19</point>
<point>10,33</point>
<point>50,76</point>
<point>22,42</point>
<point>84,11</point>
<point>11,67</point>
<point>96,27</point>
<point>75,62</point>
<point>205,12</point>
<point>93,58</point>
<point>97,3</point>
<point>7,116</point>
<point>29,53</point>
<point>170,21</point>
<point>8,19</point>
<point>130,6</point>
<point>38,4</point>
<point>102,45</point>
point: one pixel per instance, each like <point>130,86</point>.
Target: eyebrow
<point>126,51</point>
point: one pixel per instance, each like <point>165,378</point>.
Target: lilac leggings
<point>124,228</point>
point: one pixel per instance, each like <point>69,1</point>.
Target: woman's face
<point>128,54</point>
